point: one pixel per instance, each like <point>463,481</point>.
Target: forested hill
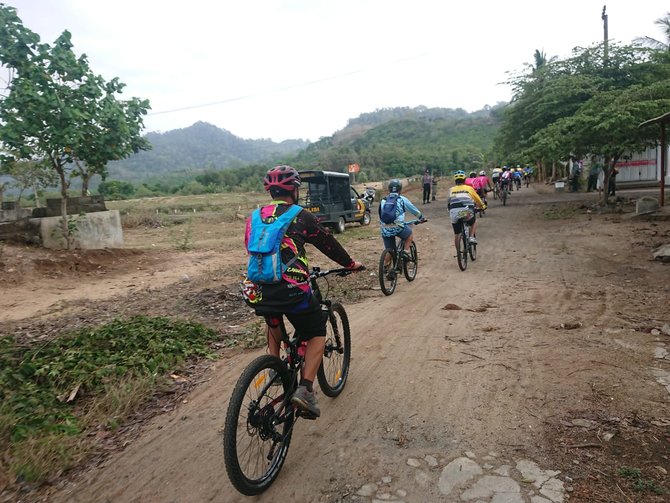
<point>401,141</point>
<point>387,142</point>
<point>196,148</point>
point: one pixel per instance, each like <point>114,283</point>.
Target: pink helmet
<point>281,177</point>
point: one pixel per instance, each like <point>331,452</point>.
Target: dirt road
<point>550,359</point>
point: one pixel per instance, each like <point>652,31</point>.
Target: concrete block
<point>94,231</point>
<point>646,204</point>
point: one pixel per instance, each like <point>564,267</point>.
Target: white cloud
<point>302,68</point>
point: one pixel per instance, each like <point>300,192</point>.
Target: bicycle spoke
<point>258,427</point>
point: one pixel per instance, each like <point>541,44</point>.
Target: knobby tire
<point>334,369</point>
<point>462,252</point>
<point>248,433</point>
<point>411,266</point>
<point>388,277</point>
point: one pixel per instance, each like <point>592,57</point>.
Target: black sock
<point>307,384</point>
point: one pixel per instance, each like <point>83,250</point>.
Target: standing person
<point>292,295</point>
<point>594,171</point>
<point>427,183</point>
<point>392,209</point>
<point>575,171</point>
<point>434,188</point>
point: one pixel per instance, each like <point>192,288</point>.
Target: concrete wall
<point>14,214</point>
<point>98,230</point>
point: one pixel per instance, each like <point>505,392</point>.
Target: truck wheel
<point>339,228</point>
<point>366,218</point>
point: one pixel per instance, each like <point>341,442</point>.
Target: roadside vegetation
<point>57,393</point>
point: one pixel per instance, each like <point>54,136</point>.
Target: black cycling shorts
<point>309,323</point>
<point>458,226</point>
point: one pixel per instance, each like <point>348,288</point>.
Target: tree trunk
<point>37,197</point>
<point>65,230</point>
<point>85,179</point>
<point>553,170</point>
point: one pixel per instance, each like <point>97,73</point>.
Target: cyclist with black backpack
<point>392,210</point>
<point>277,282</point>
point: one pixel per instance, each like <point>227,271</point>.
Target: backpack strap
<point>291,213</point>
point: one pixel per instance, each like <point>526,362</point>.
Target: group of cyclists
<point>510,177</point>
<point>292,297</point>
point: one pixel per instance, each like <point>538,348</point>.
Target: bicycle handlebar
<point>416,222</point>
<point>341,271</point>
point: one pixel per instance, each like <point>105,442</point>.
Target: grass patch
<point>51,393</point>
<point>639,484</point>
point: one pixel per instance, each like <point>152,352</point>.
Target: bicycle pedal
<point>306,415</point>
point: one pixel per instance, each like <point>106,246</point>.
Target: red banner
<point>640,162</point>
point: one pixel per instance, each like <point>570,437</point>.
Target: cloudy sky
<point>285,69</point>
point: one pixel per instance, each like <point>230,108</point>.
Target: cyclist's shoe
<point>473,240</point>
<point>306,401</point>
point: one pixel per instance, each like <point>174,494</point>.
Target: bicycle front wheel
<point>388,277</point>
<point>410,266</point>
<point>462,252</point>
<point>258,427</point>
<point>334,369</point>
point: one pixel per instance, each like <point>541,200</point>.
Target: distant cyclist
<point>292,296</point>
<point>463,198</point>
<point>506,179</point>
<point>517,175</point>
<point>397,228</point>
<point>484,185</point>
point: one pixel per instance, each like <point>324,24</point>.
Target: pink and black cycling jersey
<point>484,181</point>
<point>475,183</point>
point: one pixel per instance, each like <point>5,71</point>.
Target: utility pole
<point>604,18</point>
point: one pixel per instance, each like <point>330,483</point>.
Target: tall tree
<point>664,24</point>
<point>580,105</point>
<point>58,110</point>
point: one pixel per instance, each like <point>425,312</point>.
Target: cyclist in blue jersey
<point>398,228</point>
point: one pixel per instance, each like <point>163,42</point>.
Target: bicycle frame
<point>293,360</point>
<point>399,247</point>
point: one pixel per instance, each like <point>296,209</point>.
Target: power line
<point>278,89</point>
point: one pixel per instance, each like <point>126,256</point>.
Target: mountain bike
<point>504,193</point>
<point>260,418</point>
<point>392,264</point>
<point>465,248</point>
<point>496,190</point>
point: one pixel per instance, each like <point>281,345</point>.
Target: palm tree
<point>664,23</point>
<point>541,60</point>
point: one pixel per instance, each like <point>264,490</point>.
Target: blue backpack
<point>389,207</point>
<point>264,246</point>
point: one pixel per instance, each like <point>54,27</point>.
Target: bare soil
<point>543,349</point>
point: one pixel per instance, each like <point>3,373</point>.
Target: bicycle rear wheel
<point>258,427</point>
<point>388,277</point>
<point>472,251</point>
<point>334,369</point>
<point>410,266</point>
<point>504,197</point>
<point>462,251</point>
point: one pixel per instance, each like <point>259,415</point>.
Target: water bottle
<point>302,349</point>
